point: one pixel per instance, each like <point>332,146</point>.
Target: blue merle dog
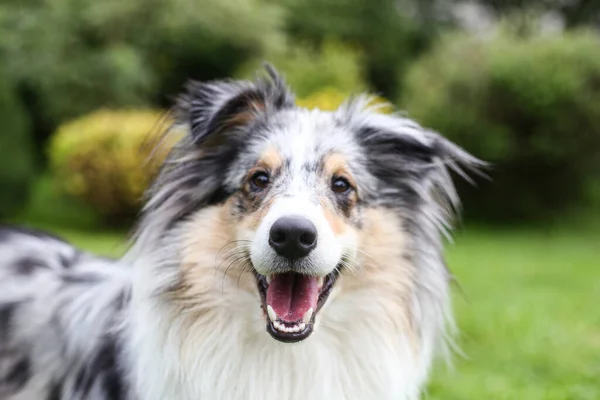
<point>282,253</point>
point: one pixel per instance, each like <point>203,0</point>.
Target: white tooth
<point>307,316</point>
<point>268,278</point>
<point>302,326</point>
<point>272,313</point>
<point>277,325</point>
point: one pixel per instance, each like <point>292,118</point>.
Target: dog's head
<point>294,188</point>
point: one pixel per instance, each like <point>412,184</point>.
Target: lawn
<point>529,317</point>
<point>527,307</point>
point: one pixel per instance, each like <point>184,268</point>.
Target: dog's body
<point>61,319</point>
<point>263,214</point>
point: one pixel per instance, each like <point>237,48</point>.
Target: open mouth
<point>291,302</point>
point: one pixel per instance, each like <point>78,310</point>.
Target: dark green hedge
<point>528,105</point>
<point>16,161</point>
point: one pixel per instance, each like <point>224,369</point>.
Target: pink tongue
<point>291,295</point>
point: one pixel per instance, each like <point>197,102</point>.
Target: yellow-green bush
<point>330,99</point>
<point>104,159</point>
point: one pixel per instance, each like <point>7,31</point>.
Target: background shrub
<point>329,99</point>
<point>16,161</point>
<point>103,159</point>
<point>308,70</point>
<point>389,34</point>
<point>71,57</point>
<point>529,105</point>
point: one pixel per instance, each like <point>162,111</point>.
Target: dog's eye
<point>340,185</point>
<point>260,180</point>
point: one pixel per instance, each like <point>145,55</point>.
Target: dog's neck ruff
<point>218,348</point>
<point>356,353</point>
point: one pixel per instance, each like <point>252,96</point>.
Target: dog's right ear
<point>214,111</point>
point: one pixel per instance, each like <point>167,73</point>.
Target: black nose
<point>293,237</point>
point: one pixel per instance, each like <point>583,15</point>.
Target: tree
<point>389,33</point>
<point>574,13</point>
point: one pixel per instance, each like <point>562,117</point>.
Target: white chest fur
<point>222,351</point>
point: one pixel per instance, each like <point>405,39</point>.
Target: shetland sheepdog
<point>282,253</point>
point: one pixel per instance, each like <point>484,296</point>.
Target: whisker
<point>366,254</point>
<point>234,253</point>
<point>245,269</point>
<point>231,242</point>
<point>348,266</point>
<point>226,255</point>
<point>227,269</point>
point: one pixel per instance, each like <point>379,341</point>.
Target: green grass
<point>112,244</point>
<point>528,308</point>
<point>529,317</point>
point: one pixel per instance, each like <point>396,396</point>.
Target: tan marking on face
<point>337,224</point>
<point>335,164</point>
<point>385,271</point>
<point>208,254</point>
<point>270,159</point>
<point>213,279</point>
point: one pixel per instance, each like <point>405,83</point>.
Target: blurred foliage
<point>329,99</point>
<point>62,59</point>
<point>388,33</point>
<point>16,163</point>
<point>528,104</point>
<point>106,160</point>
<point>308,70</point>
<point>49,206</point>
<point>69,57</point>
<point>575,13</point>
<point>209,39</point>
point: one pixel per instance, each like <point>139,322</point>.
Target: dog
<point>282,253</point>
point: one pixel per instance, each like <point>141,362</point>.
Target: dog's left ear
<point>453,156</point>
<point>398,148</point>
<point>215,111</point>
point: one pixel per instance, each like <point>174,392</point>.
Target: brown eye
<point>340,185</point>
<point>260,180</point>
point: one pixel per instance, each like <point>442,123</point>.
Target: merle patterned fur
<point>64,312</point>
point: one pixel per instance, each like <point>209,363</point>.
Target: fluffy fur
<point>181,315</point>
